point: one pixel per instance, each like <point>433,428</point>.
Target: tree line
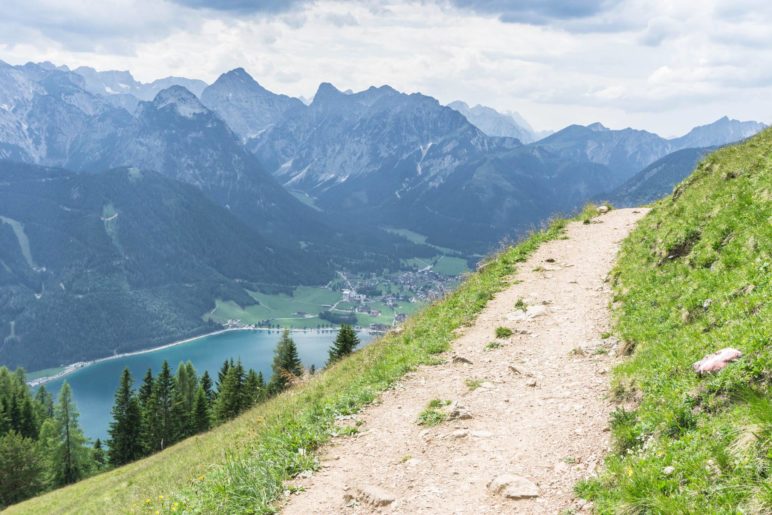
<point>42,446</point>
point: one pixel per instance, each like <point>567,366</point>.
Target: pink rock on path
<point>716,361</point>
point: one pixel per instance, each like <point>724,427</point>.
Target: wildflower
<point>629,472</point>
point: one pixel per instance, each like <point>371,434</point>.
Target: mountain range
<point>298,190</point>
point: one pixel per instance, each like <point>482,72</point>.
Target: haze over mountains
<point>226,164</point>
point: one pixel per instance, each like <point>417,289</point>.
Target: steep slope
<point>179,137</point>
<point>692,279</point>
<point>44,110</point>
<point>656,180</point>
<point>386,158</point>
<point>92,264</point>
<point>493,123</point>
<point>246,106</point>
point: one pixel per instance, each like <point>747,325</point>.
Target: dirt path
<point>538,419</point>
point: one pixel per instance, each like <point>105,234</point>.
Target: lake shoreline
<point>74,367</point>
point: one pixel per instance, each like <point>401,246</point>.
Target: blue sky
<point>661,65</point>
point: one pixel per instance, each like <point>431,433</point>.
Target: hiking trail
<point>531,416</point>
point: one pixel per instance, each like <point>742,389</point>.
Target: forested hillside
<point>96,264</point>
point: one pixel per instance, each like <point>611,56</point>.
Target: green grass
<point>503,332</point>
<point>433,414</point>
<point>419,239</point>
<point>444,265</point>
<point>521,305</point>
<point>473,384</point>
<point>279,308</point>
<point>240,467</point>
<point>492,345</point>
<point>451,266</point>
<point>712,239</point>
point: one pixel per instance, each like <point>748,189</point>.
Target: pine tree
<point>344,344</point>
<point>126,428</point>
<point>161,413</point>
<point>286,364</point>
<point>222,373</point>
<point>146,390</point>
<point>70,458</point>
<point>206,384</point>
<point>45,403</point>
<point>231,399</point>
<point>98,455</point>
<point>186,384</point>
<point>5,419</point>
<point>253,388</point>
<point>22,469</point>
<point>28,426</point>
<point>201,417</point>
<point>263,387</point>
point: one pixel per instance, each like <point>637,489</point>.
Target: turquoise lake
<point>94,386</point>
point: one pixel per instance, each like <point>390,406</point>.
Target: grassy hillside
<point>240,466</point>
<point>693,278</point>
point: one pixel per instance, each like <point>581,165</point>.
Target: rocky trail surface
<point>527,416</point>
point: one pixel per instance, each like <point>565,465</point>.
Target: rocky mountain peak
<point>327,93</point>
<point>597,127</point>
<point>184,102</point>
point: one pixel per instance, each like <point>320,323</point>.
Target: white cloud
<point>653,64</point>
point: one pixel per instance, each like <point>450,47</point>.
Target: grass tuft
<point>503,332</point>
<point>433,414</point>
<point>473,384</point>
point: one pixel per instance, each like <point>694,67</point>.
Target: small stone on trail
<point>668,470</point>
<point>460,433</point>
<point>529,314</point>
<point>513,487</point>
<point>531,383</point>
<point>716,361</point>
<point>372,495</point>
<point>482,434</point>
<point>514,370</point>
<point>461,359</point>
<point>602,210</point>
<point>458,412</point>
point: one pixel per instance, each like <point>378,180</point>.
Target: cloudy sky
<point>662,65</point>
